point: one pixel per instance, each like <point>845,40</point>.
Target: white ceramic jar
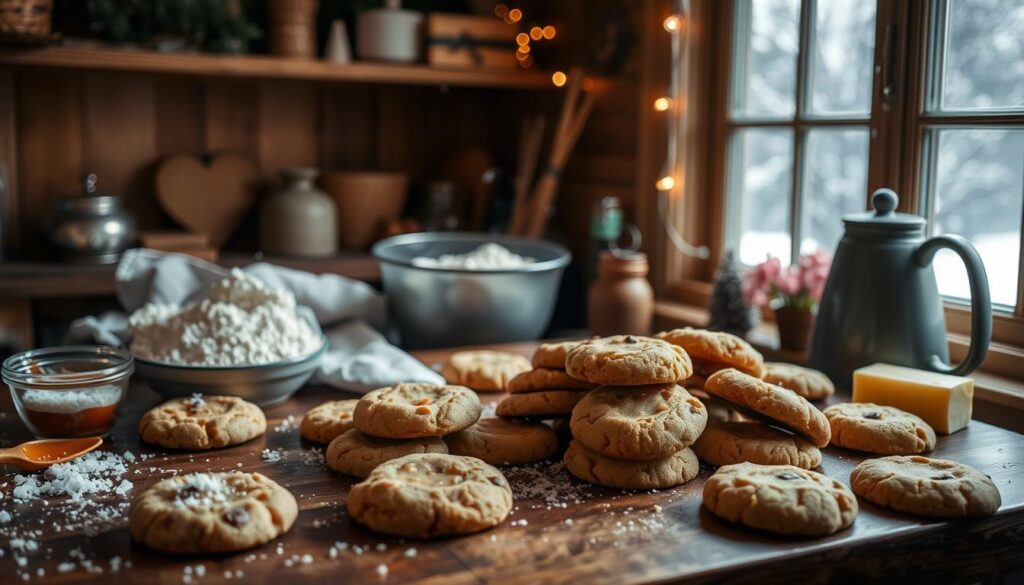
<point>390,34</point>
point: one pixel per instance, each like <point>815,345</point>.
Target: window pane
<point>761,180</point>
<point>984,57</point>
<point>842,58</point>
<point>835,183</point>
<point>978,193</point>
<point>767,40</point>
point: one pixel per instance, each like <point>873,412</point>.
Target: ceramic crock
<point>881,302</point>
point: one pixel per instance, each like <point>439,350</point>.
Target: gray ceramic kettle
<point>881,303</point>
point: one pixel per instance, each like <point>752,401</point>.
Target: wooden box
<point>466,41</point>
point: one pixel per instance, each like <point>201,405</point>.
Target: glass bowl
<point>70,391</point>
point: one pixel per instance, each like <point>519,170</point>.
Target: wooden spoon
<point>36,455</point>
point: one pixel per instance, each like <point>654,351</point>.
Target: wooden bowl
<point>365,202</point>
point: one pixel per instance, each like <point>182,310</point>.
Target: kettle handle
<point>981,302</point>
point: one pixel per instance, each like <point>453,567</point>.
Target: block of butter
<point>943,401</point>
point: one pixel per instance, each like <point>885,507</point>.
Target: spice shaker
<point>621,301</point>
<point>91,227</point>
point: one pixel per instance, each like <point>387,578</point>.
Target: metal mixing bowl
<point>264,384</point>
<point>444,307</point>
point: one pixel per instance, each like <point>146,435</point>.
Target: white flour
<point>489,256</point>
<point>241,322</point>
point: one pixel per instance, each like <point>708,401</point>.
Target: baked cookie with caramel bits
<point>728,443</point>
<point>711,351</point>
<point>325,422</point>
<point>627,360</point>
<point>483,370</point>
<point>879,429</point>
<point>638,422</point>
<point>502,441</point>
<point>429,495</point>
<point>780,498</point>
<point>202,422</point>
<point>811,384</point>
<point>676,469</point>
<point>355,453</point>
<point>411,411</point>
<point>783,406</point>
<point>552,354</point>
<point>546,379</point>
<point>207,513</point>
<point>927,487</point>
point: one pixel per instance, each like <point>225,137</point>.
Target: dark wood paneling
<point>119,139</point>
<point>49,147</point>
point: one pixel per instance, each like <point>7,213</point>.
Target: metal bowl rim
<point>278,364</point>
<point>381,253</point>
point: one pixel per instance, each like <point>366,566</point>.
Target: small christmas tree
<point>729,312</point>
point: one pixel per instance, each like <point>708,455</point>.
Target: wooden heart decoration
<point>210,199</point>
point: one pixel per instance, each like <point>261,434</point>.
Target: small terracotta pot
<point>795,327</point>
<point>366,202</point>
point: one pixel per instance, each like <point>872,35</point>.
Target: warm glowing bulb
<point>549,32</point>
<point>558,78</point>
<point>515,15</point>
<point>661,104</point>
<point>536,33</point>
<point>522,56</point>
<point>500,10</point>
<point>665,183</point>
<point>671,23</point>
<point>524,49</point>
<point>522,39</point>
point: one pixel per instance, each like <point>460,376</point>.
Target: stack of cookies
<point>763,423</point>
<point>546,391</point>
<point>401,420</point>
<point>635,430</point>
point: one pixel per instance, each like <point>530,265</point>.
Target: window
<point>973,140</point>
<point>799,131</point>
<point>797,124</point>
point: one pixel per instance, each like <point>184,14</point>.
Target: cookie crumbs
<point>411,552</point>
<point>286,425</point>
<point>272,455</point>
<point>382,570</point>
<point>381,547</point>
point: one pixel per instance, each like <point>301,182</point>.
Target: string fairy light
<point>675,25</point>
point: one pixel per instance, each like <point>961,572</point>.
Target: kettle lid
<point>884,214</point>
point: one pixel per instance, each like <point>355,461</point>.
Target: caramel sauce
<point>90,421</point>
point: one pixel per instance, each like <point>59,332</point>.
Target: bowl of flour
<point>242,338</point>
<point>448,289</point>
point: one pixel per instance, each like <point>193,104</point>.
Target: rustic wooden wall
<point>56,126</point>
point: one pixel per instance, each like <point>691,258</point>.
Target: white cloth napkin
<point>351,314</point>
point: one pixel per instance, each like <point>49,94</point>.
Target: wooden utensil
<point>570,126</point>
<point>529,151</point>
<point>36,455</point>
<point>210,199</point>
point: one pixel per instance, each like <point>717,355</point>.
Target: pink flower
<point>788,282</point>
<point>758,281</point>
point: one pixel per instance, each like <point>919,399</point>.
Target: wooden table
<point>584,534</point>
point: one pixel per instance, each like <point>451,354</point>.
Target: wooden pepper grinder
<point>621,300</point>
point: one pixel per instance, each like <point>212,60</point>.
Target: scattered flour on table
<point>89,494</point>
<point>240,322</point>
<point>489,256</point>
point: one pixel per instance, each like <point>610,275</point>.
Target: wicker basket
<point>25,22</point>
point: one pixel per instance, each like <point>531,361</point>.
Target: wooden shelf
<point>35,280</point>
<point>267,67</point>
